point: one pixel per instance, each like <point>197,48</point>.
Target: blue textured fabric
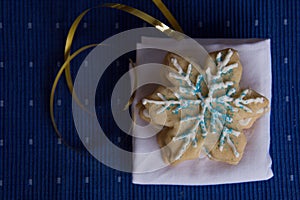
<point>33,162</point>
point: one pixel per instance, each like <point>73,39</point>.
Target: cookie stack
<point>205,111</point>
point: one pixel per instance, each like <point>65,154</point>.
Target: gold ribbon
<point>165,11</point>
<point>60,72</point>
<point>68,57</point>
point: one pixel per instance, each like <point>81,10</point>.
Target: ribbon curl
<point>68,56</point>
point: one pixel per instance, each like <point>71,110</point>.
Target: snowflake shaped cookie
<point>205,111</point>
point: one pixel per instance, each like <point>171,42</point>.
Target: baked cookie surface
<point>205,111</point>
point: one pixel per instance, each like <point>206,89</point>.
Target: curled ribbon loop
<point>59,74</point>
<point>68,56</point>
<point>165,11</point>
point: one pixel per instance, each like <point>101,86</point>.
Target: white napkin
<point>256,163</point>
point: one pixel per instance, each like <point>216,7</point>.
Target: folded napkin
<point>256,163</point>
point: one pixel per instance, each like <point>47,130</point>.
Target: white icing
<point>168,103</point>
<point>206,151</point>
<point>240,102</point>
<point>235,133</point>
<point>245,122</point>
<point>235,152</point>
<point>176,65</point>
<point>226,135</point>
<point>219,117</point>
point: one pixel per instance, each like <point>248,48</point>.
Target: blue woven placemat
<point>33,162</point>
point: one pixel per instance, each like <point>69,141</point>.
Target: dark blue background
<point>33,163</point>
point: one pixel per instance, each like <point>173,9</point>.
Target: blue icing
<point>215,81</point>
<point>214,113</point>
<point>230,108</point>
<point>194,142</point>
<point>219,108</point>
<point>228,119</point>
